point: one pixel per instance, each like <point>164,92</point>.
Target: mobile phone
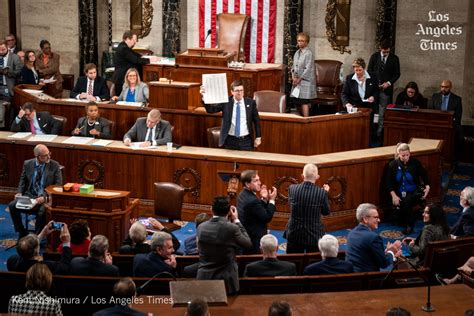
<point>57,225</point>
<point>145,221</point>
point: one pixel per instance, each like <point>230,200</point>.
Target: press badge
<point>404,194</point>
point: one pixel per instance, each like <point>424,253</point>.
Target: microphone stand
<point>142,287</point>
<point>428,307</point>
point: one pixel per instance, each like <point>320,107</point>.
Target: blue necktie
<point>444,105</point>
<point>237,120</point>
<point>37,187</point>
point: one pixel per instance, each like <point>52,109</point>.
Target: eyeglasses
<point>374,216</point>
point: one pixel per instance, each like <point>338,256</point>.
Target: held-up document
<point>215,88</point>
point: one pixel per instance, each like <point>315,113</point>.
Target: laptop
<point>25,203</point>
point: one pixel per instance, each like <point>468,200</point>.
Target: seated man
<point>465,224</point>
<point>28,120</point>
<point>38,173</point>
<point>28,252</point>
<point>329,246</point>
<point>365,247</point>
<point>270,266</point>
<point>90,87</point>
<point>124,292</point>
<point>99,261</point>
<point>190,244</point>
<point>152,131</point>
<point>160,259</point>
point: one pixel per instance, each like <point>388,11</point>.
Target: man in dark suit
<point>125,58</point>
<point>28,120</point>
<point>99,261</point>
<point>365,247</point>
<point>329,247</point>
<point>12,46</point>
<point>386,66</point>
<point>465,224</point>
<point>219,239</point>
<point>159,260</point>
<point>28,252</point>
<point>270,266</point>
<point>254,212</point>
<point>307,202</point>
<point>239,118</point>
<point>151,131</point>
<point>90,87</point>
<point>124,292</point>
<point>37,174</point>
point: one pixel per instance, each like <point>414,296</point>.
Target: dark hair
<point>438,216</point>
<point>386,44</point>
<point>44,42</point>
<point>89,66</point>
<point>127,34</point>
<point>235,84</point>
<point>412,85</point>
<point>28,106</point>
<point>279,308</point>
<point>397,311</point>
<point>27,246</point>
<point>221,206</point>
<point>201,218</point>
<point>125,288</point>
<point>39,277</point>
<point>79,231</point>
<point>197,307</point>
<point>27,53</point>
<point>247,175</point>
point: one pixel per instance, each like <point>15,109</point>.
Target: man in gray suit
<point>307,202</point>
<point>38,173</point>
<point>10,68</point>
<point>218,241</point>
<point>151,131</point>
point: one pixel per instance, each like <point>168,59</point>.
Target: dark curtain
<point>171,27</point>
<point>293,25</point>
<point>87,33</point>
<point>386,22</point>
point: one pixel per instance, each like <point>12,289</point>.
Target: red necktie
<point>32,127</point>
<point>90,88</point>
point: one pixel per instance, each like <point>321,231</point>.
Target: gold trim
<point>331,12</point>
<point>147,18</point>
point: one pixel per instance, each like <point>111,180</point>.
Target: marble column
<point>87,33</point>
<point>171,27</point>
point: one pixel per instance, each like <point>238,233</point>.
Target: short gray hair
<point>363,211</point>
<point>158,240</point>
<point>268,244</point>
<point>154,114</point>
<point>329,246</point>
<point>310,171</point>
<point>137,232</point>
<point>99,246</point>
<point>469,195</point>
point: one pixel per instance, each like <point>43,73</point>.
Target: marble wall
<point>4,26</point>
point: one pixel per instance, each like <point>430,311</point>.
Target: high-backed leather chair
<point>213,135</point>
<point>62,120</point>
<point>112,128</point>
<point>169,198</point>
<point>111,87</point>
<point>328,85</point>
<point>270,101</point>
<point>231,30</point>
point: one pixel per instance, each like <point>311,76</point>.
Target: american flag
<point>260,40</point>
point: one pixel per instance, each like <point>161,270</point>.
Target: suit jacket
<point>218,242</point>
<point>51,69</point>
<point>27,76</point>
<point>365,250</point>
<point>92,267</point>
<point>52,176</point>
<point>101,125</point>
<point>307,202</point>
<point>99,90</point>
<point>142,93</point>
<point>391,70</point>
<point>138,132</point>
<point>119,310</point>
<point>254,214</point>
<point>125,58</point>
<point>428,234</point>
<point>454,105</point>
<point>18,264</point>
<point>350,92</point>
<point>270,267</point>
<point>149,264</point>
<point>329,266</point>
<point>465,224</point>
<point>46,122</point>
<point>15,65</point>
<point>253,119</point>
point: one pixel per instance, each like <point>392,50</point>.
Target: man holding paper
<point>239,118</point>
<point>151,131</point>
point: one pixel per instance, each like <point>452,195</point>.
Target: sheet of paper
<point>102,142</point>
<point>20,135</point>
<point>77,140</point>
<point>130,103</point>
<point>42,138</point>
<point>136,146</point>
<point>296,92</point>
<point>33,91</point>
<point>215,87</point>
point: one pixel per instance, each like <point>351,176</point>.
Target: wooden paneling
<point>175,95</point>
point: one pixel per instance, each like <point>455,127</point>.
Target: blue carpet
<point>462,176</point>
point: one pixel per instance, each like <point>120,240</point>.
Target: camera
<point>57,225</point>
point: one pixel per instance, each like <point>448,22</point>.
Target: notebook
<point>25,202</point>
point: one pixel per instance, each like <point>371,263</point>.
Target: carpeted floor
<point>462,176</point>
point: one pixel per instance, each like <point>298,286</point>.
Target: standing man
<point>255,212</point>
<point>11,43</point>
<point>365,247</point>
<point>465,224</point>
<point>38,173</point>
<point>387,68</point>
<point>239,118</point>
<point>125,57</point>
<point>10,68</point>
<point>90,87</point>
<point>152,131</point>
<point>307,202</point>
<point>218,241</point>
<point>28,120</point>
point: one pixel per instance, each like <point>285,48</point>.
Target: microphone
<point>176,66</point>
<point>208,33</point>
<point>166,274</point>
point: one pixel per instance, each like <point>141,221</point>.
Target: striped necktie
<point>90,89</point>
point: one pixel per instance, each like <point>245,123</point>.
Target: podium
<point>213,57</point>
<point>176,95</point>
<point>107,212</point>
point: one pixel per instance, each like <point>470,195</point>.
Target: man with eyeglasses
<point>38,173</point>
<point>239,119</point>
<point>10,39</point>
<point>28,120</point>
<point>365,248</point>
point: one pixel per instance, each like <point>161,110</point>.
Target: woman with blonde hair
<point>134,90</point>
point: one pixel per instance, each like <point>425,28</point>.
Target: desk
<point>354,176</point>
<point>281,133</point>
<point>448,300</point>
